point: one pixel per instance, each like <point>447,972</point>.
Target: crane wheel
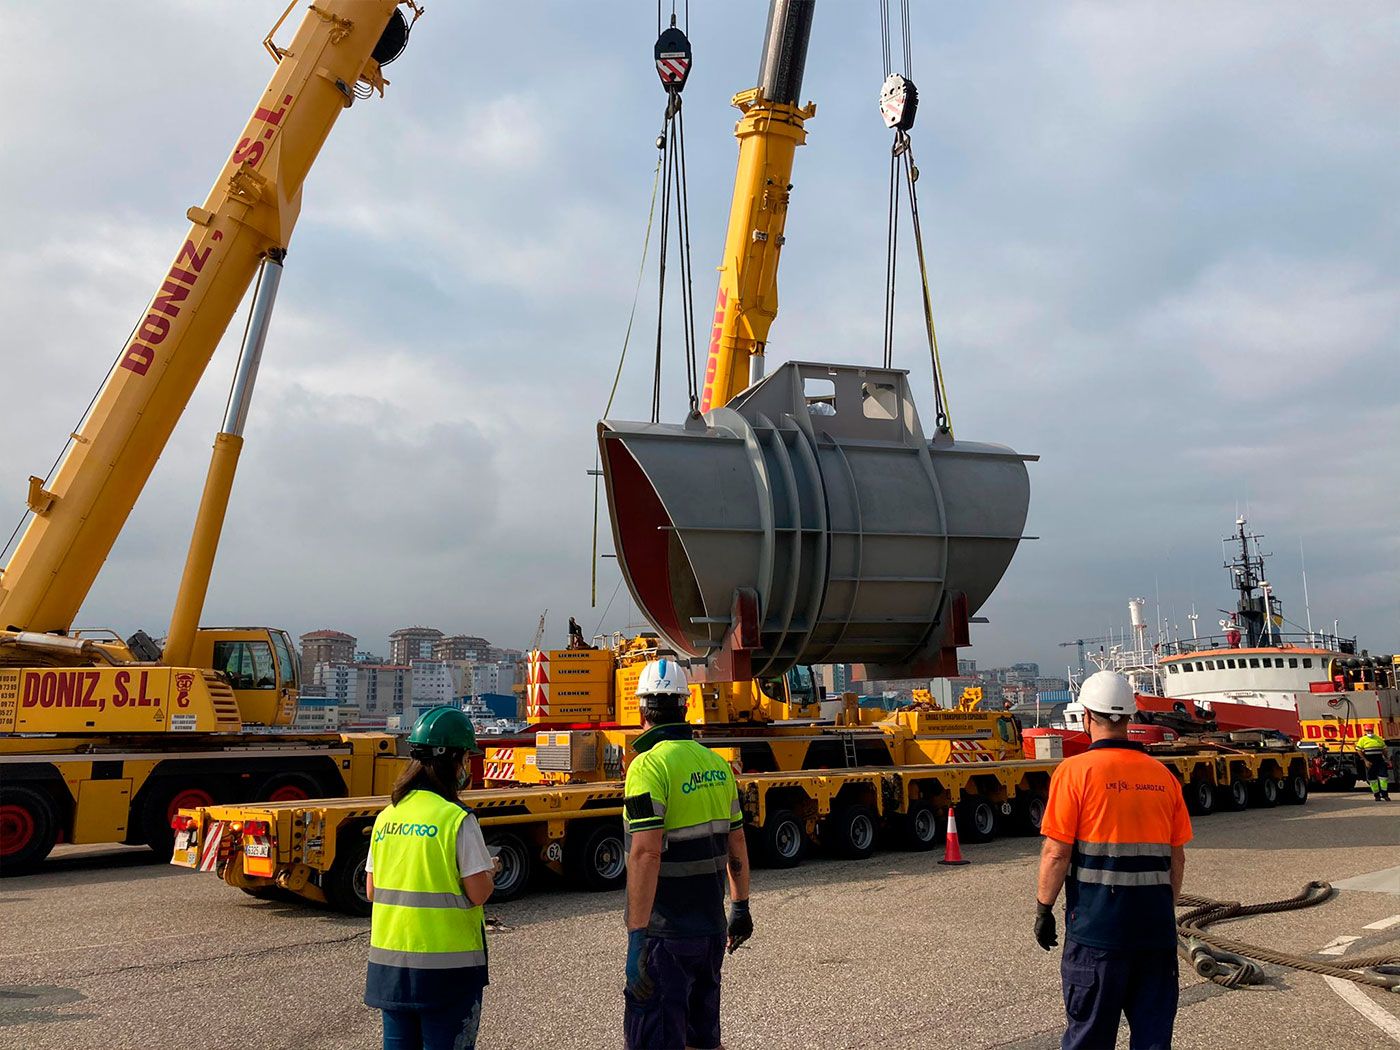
<point>165,798</point>
<point>595,856</point>
<point>851,831</point>
<point>920,829</point>
<point>28,829</point>
<point>290,787</point>
<point>781,840</point>
<point>516,866</point>
<point>1295,790</point>
<point>344,884</point>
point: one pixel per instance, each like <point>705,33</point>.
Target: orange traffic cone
<point>952,849</point>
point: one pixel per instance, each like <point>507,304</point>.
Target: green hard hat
<point>444,727</point>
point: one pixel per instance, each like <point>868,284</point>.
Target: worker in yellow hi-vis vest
<point>686,839</point>
<point>1375,754</point>
<point>428,874</point>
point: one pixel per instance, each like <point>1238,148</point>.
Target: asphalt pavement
<point>110,949</point>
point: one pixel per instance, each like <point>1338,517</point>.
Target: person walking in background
<point>1115,829</point>
<point>685,830</point>
<point>1373,752</point>
<point>428,874</point>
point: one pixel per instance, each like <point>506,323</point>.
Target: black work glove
<point>639,982</point>
<point>1045,926</point>
<point>740,924</point>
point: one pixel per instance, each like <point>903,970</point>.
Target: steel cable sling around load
<point>1231,963</point>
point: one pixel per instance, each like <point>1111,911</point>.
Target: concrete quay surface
<point>111,949</point>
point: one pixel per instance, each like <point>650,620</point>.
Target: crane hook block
<point>673,59</point>
<point>899,102</point>
<point>815,490</point>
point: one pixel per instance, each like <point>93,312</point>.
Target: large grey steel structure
<point>813,499</point>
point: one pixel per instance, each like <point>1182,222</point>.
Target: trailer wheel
<point>1295,790</point>
<point>1266,793</point>
<point>1200,798</point>
<point>344,884</point>
<point>1030,811</point>
<point>596,857</point>
<point>977,820</point>
<point>1236,796</point>
<point>28,829</point>
<point>919,829</point>
<point>515,865</point>
<point>850,831</point>
<point>781,839</point>
<point>163,800</point>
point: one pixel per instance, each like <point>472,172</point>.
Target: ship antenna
<point>1307,608</point>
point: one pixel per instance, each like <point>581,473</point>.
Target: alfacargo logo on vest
<point>704,778</point>
<point>395,827</point>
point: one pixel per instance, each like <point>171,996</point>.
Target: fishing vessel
<point>1260,672</point>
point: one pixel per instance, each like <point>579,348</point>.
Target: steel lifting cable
<point>1231,963</point>
<point>898,104</point>
<point>674,191</point>
<point>621,360</point>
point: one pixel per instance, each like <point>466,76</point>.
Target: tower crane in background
<point>1080,643</point>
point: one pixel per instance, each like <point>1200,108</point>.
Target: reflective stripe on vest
<point>422,919</point>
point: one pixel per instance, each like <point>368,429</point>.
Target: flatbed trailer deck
<point>315,850</point>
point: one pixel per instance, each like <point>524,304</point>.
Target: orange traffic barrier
<point>952,849</point>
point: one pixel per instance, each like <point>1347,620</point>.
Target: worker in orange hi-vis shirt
<point>1115,829</point>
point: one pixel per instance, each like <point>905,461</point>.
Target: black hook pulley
<point>899,102</point>
<point>673,59</point>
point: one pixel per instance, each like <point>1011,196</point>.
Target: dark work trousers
<point>683,1010</point>
<point>1103,984</point>
<point>451,1027</point>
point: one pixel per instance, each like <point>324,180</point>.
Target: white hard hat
<point>662,678</point>
<point>1108,693</point>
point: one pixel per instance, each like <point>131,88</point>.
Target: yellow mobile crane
<point>102,740</point>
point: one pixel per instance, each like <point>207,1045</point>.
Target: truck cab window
<point>286,660</point>
<point>247,665</point>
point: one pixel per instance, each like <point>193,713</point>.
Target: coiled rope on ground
<point>1231,963</point>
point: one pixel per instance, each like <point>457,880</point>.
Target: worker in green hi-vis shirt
<point>685,831</point>
<point>1373,750</point>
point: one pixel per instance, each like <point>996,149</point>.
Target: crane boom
<point>769,132</point>
<point>251,210</point>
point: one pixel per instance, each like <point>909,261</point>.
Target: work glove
<point>1045,926</point>
<point>639,982</point>
<point>740,924</point>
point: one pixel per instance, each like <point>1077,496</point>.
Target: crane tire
<point>28,829</point>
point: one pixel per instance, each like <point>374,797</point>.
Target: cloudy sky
<point>1163,249</point>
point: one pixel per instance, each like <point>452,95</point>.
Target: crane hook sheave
<point>393,40</point>
<point>673,59</point>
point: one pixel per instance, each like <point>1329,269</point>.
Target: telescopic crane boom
<point>773,125</point>
<point>248,215</point>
